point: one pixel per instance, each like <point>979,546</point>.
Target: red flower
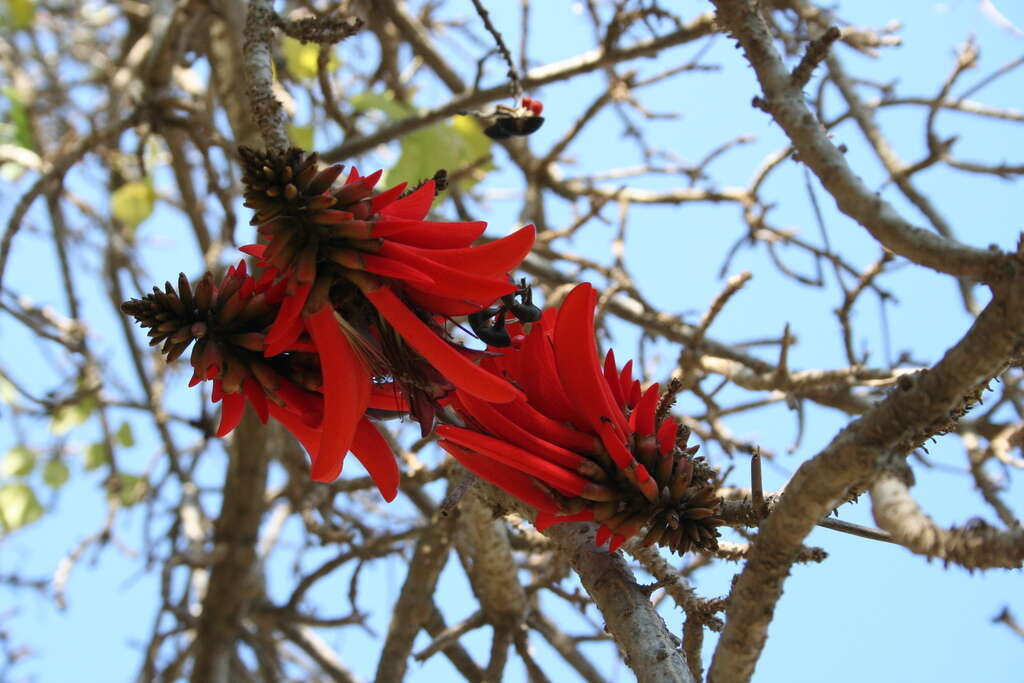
<point>227,323</point>
<point>371,282</point>
<point>586,443</point>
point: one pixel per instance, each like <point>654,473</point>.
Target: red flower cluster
<point>348,316</point>
<point>585,443</point>
<point>347,321</point>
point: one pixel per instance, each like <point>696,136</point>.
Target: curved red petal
<point>667,435</point>
<point>578,364</point>
<point>378,202</point>
<point>441,305</point>
<point>635,393</point>
<point>603,534</point>
<point>373,451</point>
<point>254,392</point>
<point>626,381</point>
<point>232,407</point>
<point>414,206</point>
<point>346,392</point>
<point>493,259</point>
<point>642,418</point>
<point>449,282</point>
<point>492,419</point>
<point>513,456</point>
<point>308,405</point>
<point>254,250</point>
<point>396,269</point>
<point>447,359</point>
<point>556,432</point>
<point>611,375</point>
<point>308,436</point>
<point>288,324</point>
<point>616,448</point>
<point>541,381</point>
<point>520,485</point>
<point>434,235</point>
<point>617,541</point>
<point>387,396</point>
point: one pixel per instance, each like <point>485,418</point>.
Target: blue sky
<point>872,610</point>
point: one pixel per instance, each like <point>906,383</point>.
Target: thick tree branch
<point>976,546</point>
<point>785,102</point>
<point>236,576</point>
<point>819,485</point>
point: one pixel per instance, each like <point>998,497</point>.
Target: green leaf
<point>300,58</point>
<point>124,435</point>
<point>18,462</point>
<point>133,202</point>
<point>129,488</point>
<point>70,416</point>
<point>95,456</point>
<point>18,506</point>
<point>56,474</point>
<point>443,145</point>
<point>19,119</point>
<point>20,13</point>
<point>301,136</point>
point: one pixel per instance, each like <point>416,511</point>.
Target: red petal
<point>642,418</point>
<point>446,358</point>
<point>380,201</point>
<point>520,485</point>
<point>346,392</point>
<point>441,305</point>
<point>634,394</point>
<point>492,419</point>
<point>611,375</point>
<point>513,456</point>
<point>450,282</point>
<point>388,397</point>
<point>541,382</point>
<point>493,259</point>
<point>387,267</point>
<point>309,406</point>
<point>603,534</point>
<point>614,445</point>
<point>430,234</point>
<point>308,436</point>
<point>396,269</point>
<point>373,451</point>
<point>288,324</point>
<point>254,250</point>
<point>231,410</point>
<point>578,364</point>
<point>544,427</point>
<point>667,435</point>
<point>626,381</point>
<point>414,206</point>
<point>254,392</point>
